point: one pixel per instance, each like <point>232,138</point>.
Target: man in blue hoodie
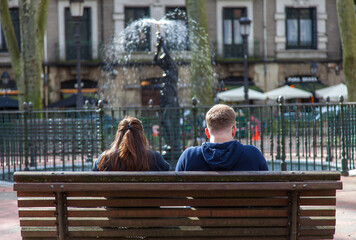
<point>222,153</point>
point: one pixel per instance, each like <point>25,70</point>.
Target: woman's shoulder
<point>159,164</point>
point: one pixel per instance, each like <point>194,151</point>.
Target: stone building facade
<point>286,37</point>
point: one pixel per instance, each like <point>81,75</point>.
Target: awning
<point>333,92</point>
<point>238,94</point>
<point>288,93</point>
<point>8,103</point>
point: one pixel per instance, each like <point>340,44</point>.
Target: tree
<point>201,70</point>
<point>26,61</point>
<point>347,26</point>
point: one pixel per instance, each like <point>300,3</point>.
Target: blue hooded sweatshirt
<point>227,156</point>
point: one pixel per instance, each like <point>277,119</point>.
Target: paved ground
<point>345,211</point>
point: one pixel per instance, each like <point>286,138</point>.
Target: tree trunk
<point>201,70</point>
<point>27,64</point>
<point>12,45</point>
<point>347,26</point>
<point>41,23</point>
<point>30,53</point>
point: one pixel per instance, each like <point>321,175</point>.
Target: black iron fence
<point>291,136</point>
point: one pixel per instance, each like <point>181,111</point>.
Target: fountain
<point>128,57</point>
<point>129,61</point>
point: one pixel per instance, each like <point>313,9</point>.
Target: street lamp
<point>5,79</point>
<point>245,31</point>
<point>313,68</point>
<point>76,10</point>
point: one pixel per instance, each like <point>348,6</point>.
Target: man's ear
<point>234,129</point>
<point>207,132</point>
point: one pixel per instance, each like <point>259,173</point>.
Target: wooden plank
<point>177,212</point>
<point>38,232</point>
<point>202,202</point>
<point>317,211</point>
<point>41,212</point>
<point>318,193</point>
<point>176,232</point>
<point>36,203</point>
<point>192,238</point>
<point>38,222</point>
<point>35,194</point>
<point>166,222</point>
<point>256,176</point>
<point>201,193</point>
<point>316,237</point>
<point>317,221</point>
<point>216,186</point>
<point>317,230</point>
<point>318,201</point>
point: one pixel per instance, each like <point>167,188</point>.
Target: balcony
<point>89,51</point>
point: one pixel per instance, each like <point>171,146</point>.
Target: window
<point>85,35</point>
<point>233,46</point>
<point>177,36</point>
<point>137,35</point>
<point>14,13</point>
<point>301,28</point>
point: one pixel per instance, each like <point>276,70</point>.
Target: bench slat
<point>36,203</point>
<point>176,202</point>
<point>317,211</point>
<point>318,201</point>
<point>35,194</point>
<point>38,222</point>
<point>316,230</point>
<point>216,186</point>
<point>201,193</point>
<point>146,202</point>
<point>36,213</point>
<point>178,212</point>
<point>168,232</point>
<point>196,176</point>
<point>317,237</point>
<point>175,238</point>
<point>317,221</point>
<point>151,222</point>
<point>318,193</point>
<point>147,222</point>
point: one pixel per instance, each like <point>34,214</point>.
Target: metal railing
<point>291,136</point>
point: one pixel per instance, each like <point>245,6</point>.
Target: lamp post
<point>313,68</point>
<point>5,79</point>
<point>76,10</point>
<point>245,31</point>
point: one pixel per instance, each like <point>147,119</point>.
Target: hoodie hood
<point>222,156</point>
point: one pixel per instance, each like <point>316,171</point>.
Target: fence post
<point>344,162</point>
<point>328,152</point>
<point>101,127</point>
<point>281,133</point>
<point>194,103</point>
<point>31,148</point>
<point>25,117</point>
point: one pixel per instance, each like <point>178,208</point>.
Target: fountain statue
<point>170,125</point>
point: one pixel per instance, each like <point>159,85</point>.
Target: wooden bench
<point>177,205</point>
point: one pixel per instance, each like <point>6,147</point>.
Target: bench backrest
<point>177,205</point>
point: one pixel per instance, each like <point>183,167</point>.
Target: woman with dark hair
<point>130,151</point>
